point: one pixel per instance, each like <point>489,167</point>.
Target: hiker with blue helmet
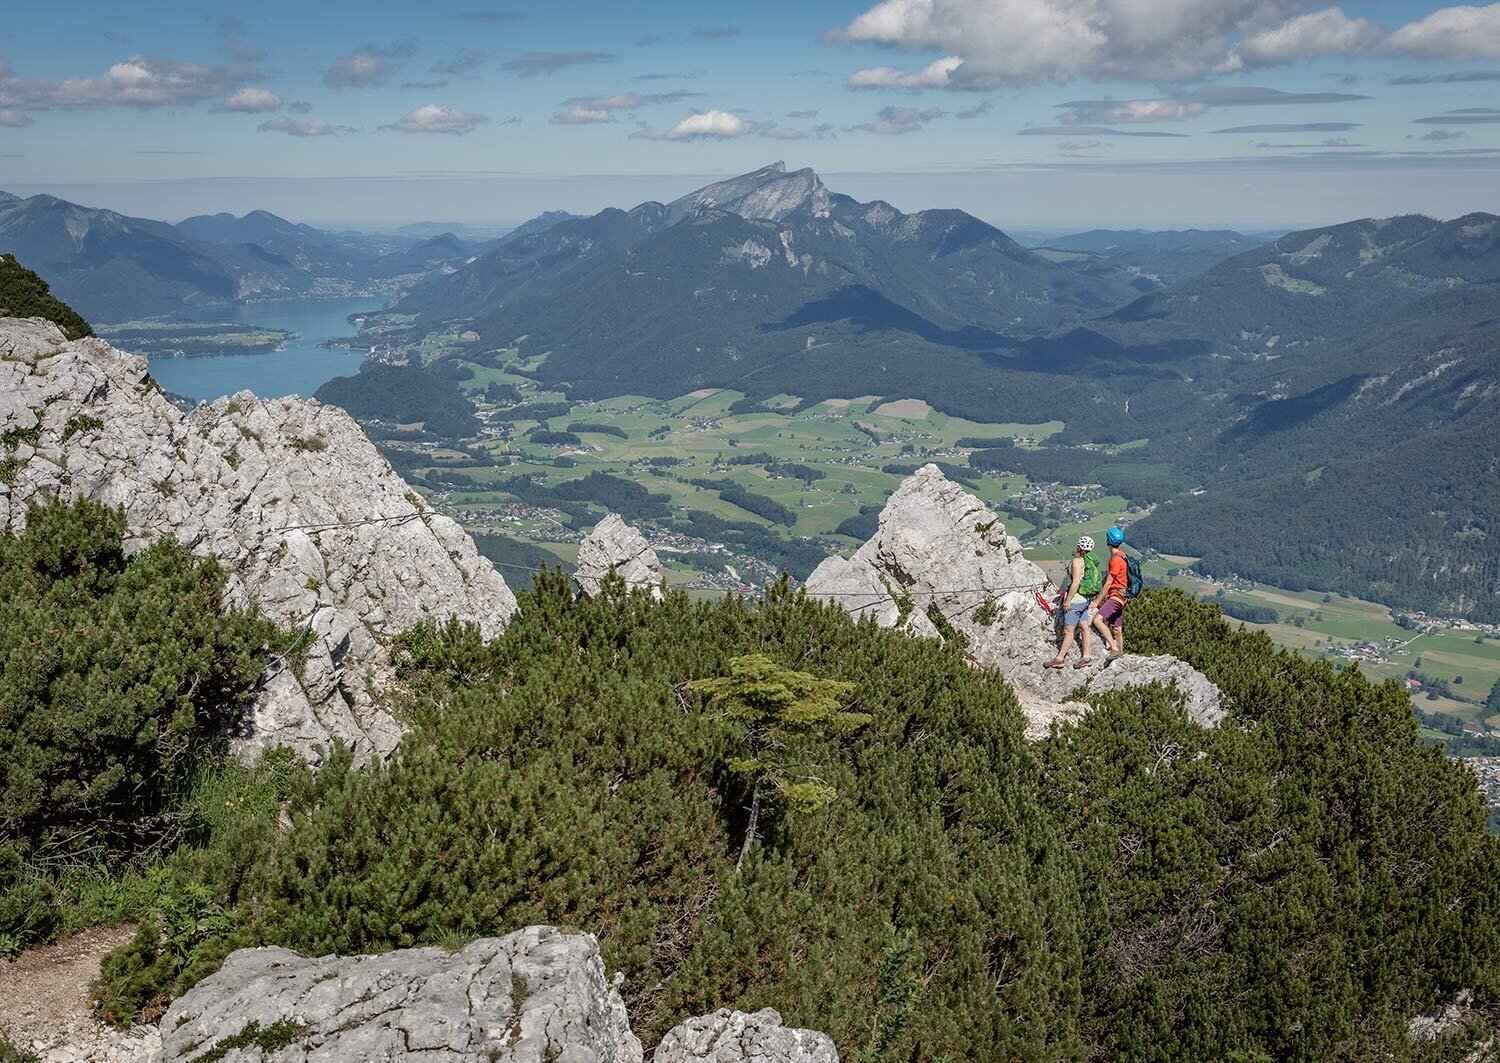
<point>1084,579</point>
<point>1109,603</point>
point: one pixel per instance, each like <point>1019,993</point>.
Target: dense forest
<point>1367,458</point>
<point>24,294</point>
<point>1291,886</point>
<point>399,394</point>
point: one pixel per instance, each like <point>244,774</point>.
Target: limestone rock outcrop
<point>613,544</point>
<point>289,495</point>
<point>941,564</point>
<point>735,1037</point>
<point>537,994</point>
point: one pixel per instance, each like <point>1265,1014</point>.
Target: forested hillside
<point>1376,460</point>
<point>766,283</point>
<point>1313,286</point>
<point>24,294</point>
<point>1291,885</point>
<point>398,394</point>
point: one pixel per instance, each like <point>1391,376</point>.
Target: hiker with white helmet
<point>1084,581</point>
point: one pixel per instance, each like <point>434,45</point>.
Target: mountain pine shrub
<point>24,294</point>
<point>116,678</point>
<point>1294,884</point>
<point>1290,886</point>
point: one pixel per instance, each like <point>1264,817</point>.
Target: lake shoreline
<point>286,347</point>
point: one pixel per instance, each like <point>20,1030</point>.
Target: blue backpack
<point>1134,581</point>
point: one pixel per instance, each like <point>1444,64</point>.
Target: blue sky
<point>1031,113</point>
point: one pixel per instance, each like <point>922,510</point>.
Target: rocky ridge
<point>615,546</point>
<point>537,994</point>
<point>941,565</point>
<point>289,495</point>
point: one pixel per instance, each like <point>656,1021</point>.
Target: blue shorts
<point>1076,614</point>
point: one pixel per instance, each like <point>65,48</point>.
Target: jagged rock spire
<point>941,564</point>
<point>290,496</point>
<point>613,544</point>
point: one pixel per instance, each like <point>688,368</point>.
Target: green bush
<point>1294,883</point>
<point>116,676</point>
<point>563,774</point>
<point>24,294</point>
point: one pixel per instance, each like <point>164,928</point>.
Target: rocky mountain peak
<point>769,193</point>
<point>614,546</point>
<point>941,565</point>
<point>290,496</point>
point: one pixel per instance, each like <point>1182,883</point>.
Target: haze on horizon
<point>1029,113</point>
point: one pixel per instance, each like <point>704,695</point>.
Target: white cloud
<point>292,127</point>
<point>13,119</point>
<point>370,65</point>
<point>251,101</point>
<point>894,121</point>
<point>1192,104</point>
<point>1162,110</point>
<point>708,125</point>
<point>1021,41</point>
<point>586,110</point>
<point>1452,33</point>
<point>1326,32</point>
<point>357,70</point>
<point>434,118</point>
<point>577,114</point>
<point>139,81</point>
<point>936,74</point>
<point>997,42</point>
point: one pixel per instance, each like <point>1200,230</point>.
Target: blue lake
<point>298,369</point>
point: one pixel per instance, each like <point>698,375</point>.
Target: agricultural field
<point>810,474</point>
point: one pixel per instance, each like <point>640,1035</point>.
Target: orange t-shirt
<point>1119,576</point>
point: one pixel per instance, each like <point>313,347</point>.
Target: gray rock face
<point>311,523</point>
<point>735,1037</point>
<point>613,544</point>
<point>941,558</point>
<point>534,995</point>
<point>1440,1021</point>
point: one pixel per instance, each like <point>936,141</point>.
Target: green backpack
<point>1089,585</point>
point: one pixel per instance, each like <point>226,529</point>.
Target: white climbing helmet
<point>1086,543</point>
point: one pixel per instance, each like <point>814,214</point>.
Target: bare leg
<point>1067,643</point>
<point>1103,628</point>
<point>1087,639</point>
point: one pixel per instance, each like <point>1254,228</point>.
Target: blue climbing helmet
<point>1114,536</point>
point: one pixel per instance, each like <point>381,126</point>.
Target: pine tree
<point>773,706</point>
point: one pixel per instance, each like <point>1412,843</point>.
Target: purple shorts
<point>1112,613</point>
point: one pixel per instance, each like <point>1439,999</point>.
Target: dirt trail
<point>44,1001</point>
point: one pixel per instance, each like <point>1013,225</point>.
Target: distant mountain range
<point>1151,259</point>
<point>1309,287</point>
<point>113,267</point>
<point>1318,410</point>
<point>768,282</point>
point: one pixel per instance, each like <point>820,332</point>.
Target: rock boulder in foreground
<point>941,564</point>
<point>289,495</point>
<point>613,544</point>
<point>532,996</point>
